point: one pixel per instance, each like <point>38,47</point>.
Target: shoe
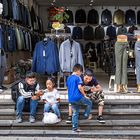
<point>3,88</point>
<point>31,119</point>
<point>100,119</point>
<point>77,130</point>
<point>69,120</point>
<point>87,117</point>
<point>18,119</point>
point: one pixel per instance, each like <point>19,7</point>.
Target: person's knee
<point>90,103</point>
<point>54,106</point>
<point>101,103</point>
<point>20,99</point>
<point>46,105</point>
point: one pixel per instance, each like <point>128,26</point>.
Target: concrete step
<point>113,114</point>
<point>83,124</point>
<point>109,104</point>
<point>69,135</point>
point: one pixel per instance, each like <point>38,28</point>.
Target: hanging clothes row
<point>13,39</point>
<point>16,11</point>
<point>128,17</point>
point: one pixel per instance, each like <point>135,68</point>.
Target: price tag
<point>44,53</point>
<point>9,38</point>
<point>136,32</point>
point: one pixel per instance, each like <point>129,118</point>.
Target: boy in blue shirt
<point>77,96</point>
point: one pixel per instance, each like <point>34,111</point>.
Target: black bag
<point>14,90</point>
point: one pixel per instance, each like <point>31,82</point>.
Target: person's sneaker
<point>18,119</point>
<point>100,119</point>
<point>77,130</point>
<point>85,117</point>
<point>69,120</point>
<point>31,119</point>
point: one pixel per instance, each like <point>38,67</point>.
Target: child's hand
<point>51,104</point>
<point>45,101</point>
<point>39,93</point>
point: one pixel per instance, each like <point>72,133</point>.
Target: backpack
<point>14,90</point>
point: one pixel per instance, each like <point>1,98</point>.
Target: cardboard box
<point>9,77</point>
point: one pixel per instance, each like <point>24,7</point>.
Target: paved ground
<point>52,138</point>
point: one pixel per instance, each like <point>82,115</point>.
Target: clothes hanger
<point>70,39</point>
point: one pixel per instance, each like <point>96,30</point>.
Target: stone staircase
<point>122,115</point>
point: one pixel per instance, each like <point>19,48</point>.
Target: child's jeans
<point>75,110</point>
<point>54,107</point>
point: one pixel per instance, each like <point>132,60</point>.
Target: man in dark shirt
<point>94,91</point>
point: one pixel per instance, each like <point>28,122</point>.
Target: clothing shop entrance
<point>43,43</point>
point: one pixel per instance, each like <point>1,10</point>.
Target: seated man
<point>28,90</point>
<point>94,91</point>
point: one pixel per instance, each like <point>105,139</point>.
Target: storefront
<point>91,26</point>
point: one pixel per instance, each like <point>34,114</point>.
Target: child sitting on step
<point>51,97</point>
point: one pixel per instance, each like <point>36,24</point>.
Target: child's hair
<point>52,79</point>
<point>77,67</point>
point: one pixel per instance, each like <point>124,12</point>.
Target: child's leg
<point>56,109</point>
<point>75,115</point>
<point>69,120</point>
<point>100,100</point>
<point>47,107</point>
<point>70,110</point>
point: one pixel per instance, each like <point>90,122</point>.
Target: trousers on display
<point>2,66</point>
<point>137,61</point>
<point>121,57</point>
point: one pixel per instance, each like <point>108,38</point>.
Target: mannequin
<point>137,62</point>
<point>2,68</point>
<point>121,57</point>
<point>1,8</point>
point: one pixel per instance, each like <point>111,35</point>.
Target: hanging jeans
<point>121,57</point>
<point>2,66</point>
<point>137,61</point>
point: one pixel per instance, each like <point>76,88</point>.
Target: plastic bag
<point>50,118</point>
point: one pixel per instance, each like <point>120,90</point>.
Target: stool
<point>112,78</point>
<point>93,65</point>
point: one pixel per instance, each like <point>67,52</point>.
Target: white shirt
<point>51,96</point>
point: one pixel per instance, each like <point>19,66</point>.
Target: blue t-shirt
<point>74,93</point>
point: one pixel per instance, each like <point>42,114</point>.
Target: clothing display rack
<point>58,36</point>
<point>13,24</point>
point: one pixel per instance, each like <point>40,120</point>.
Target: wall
<point>43,11</point>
